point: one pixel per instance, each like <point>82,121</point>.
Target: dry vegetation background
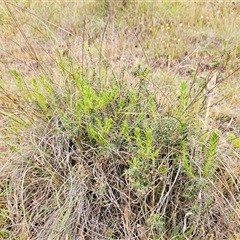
<point>167,65</point>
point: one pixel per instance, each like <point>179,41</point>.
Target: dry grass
<point>120,120</point>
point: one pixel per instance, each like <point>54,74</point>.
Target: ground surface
<point>165,42</point>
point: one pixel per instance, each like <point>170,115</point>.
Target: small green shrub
<point>88,144</point>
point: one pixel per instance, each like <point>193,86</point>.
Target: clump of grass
<point>99,160</point>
